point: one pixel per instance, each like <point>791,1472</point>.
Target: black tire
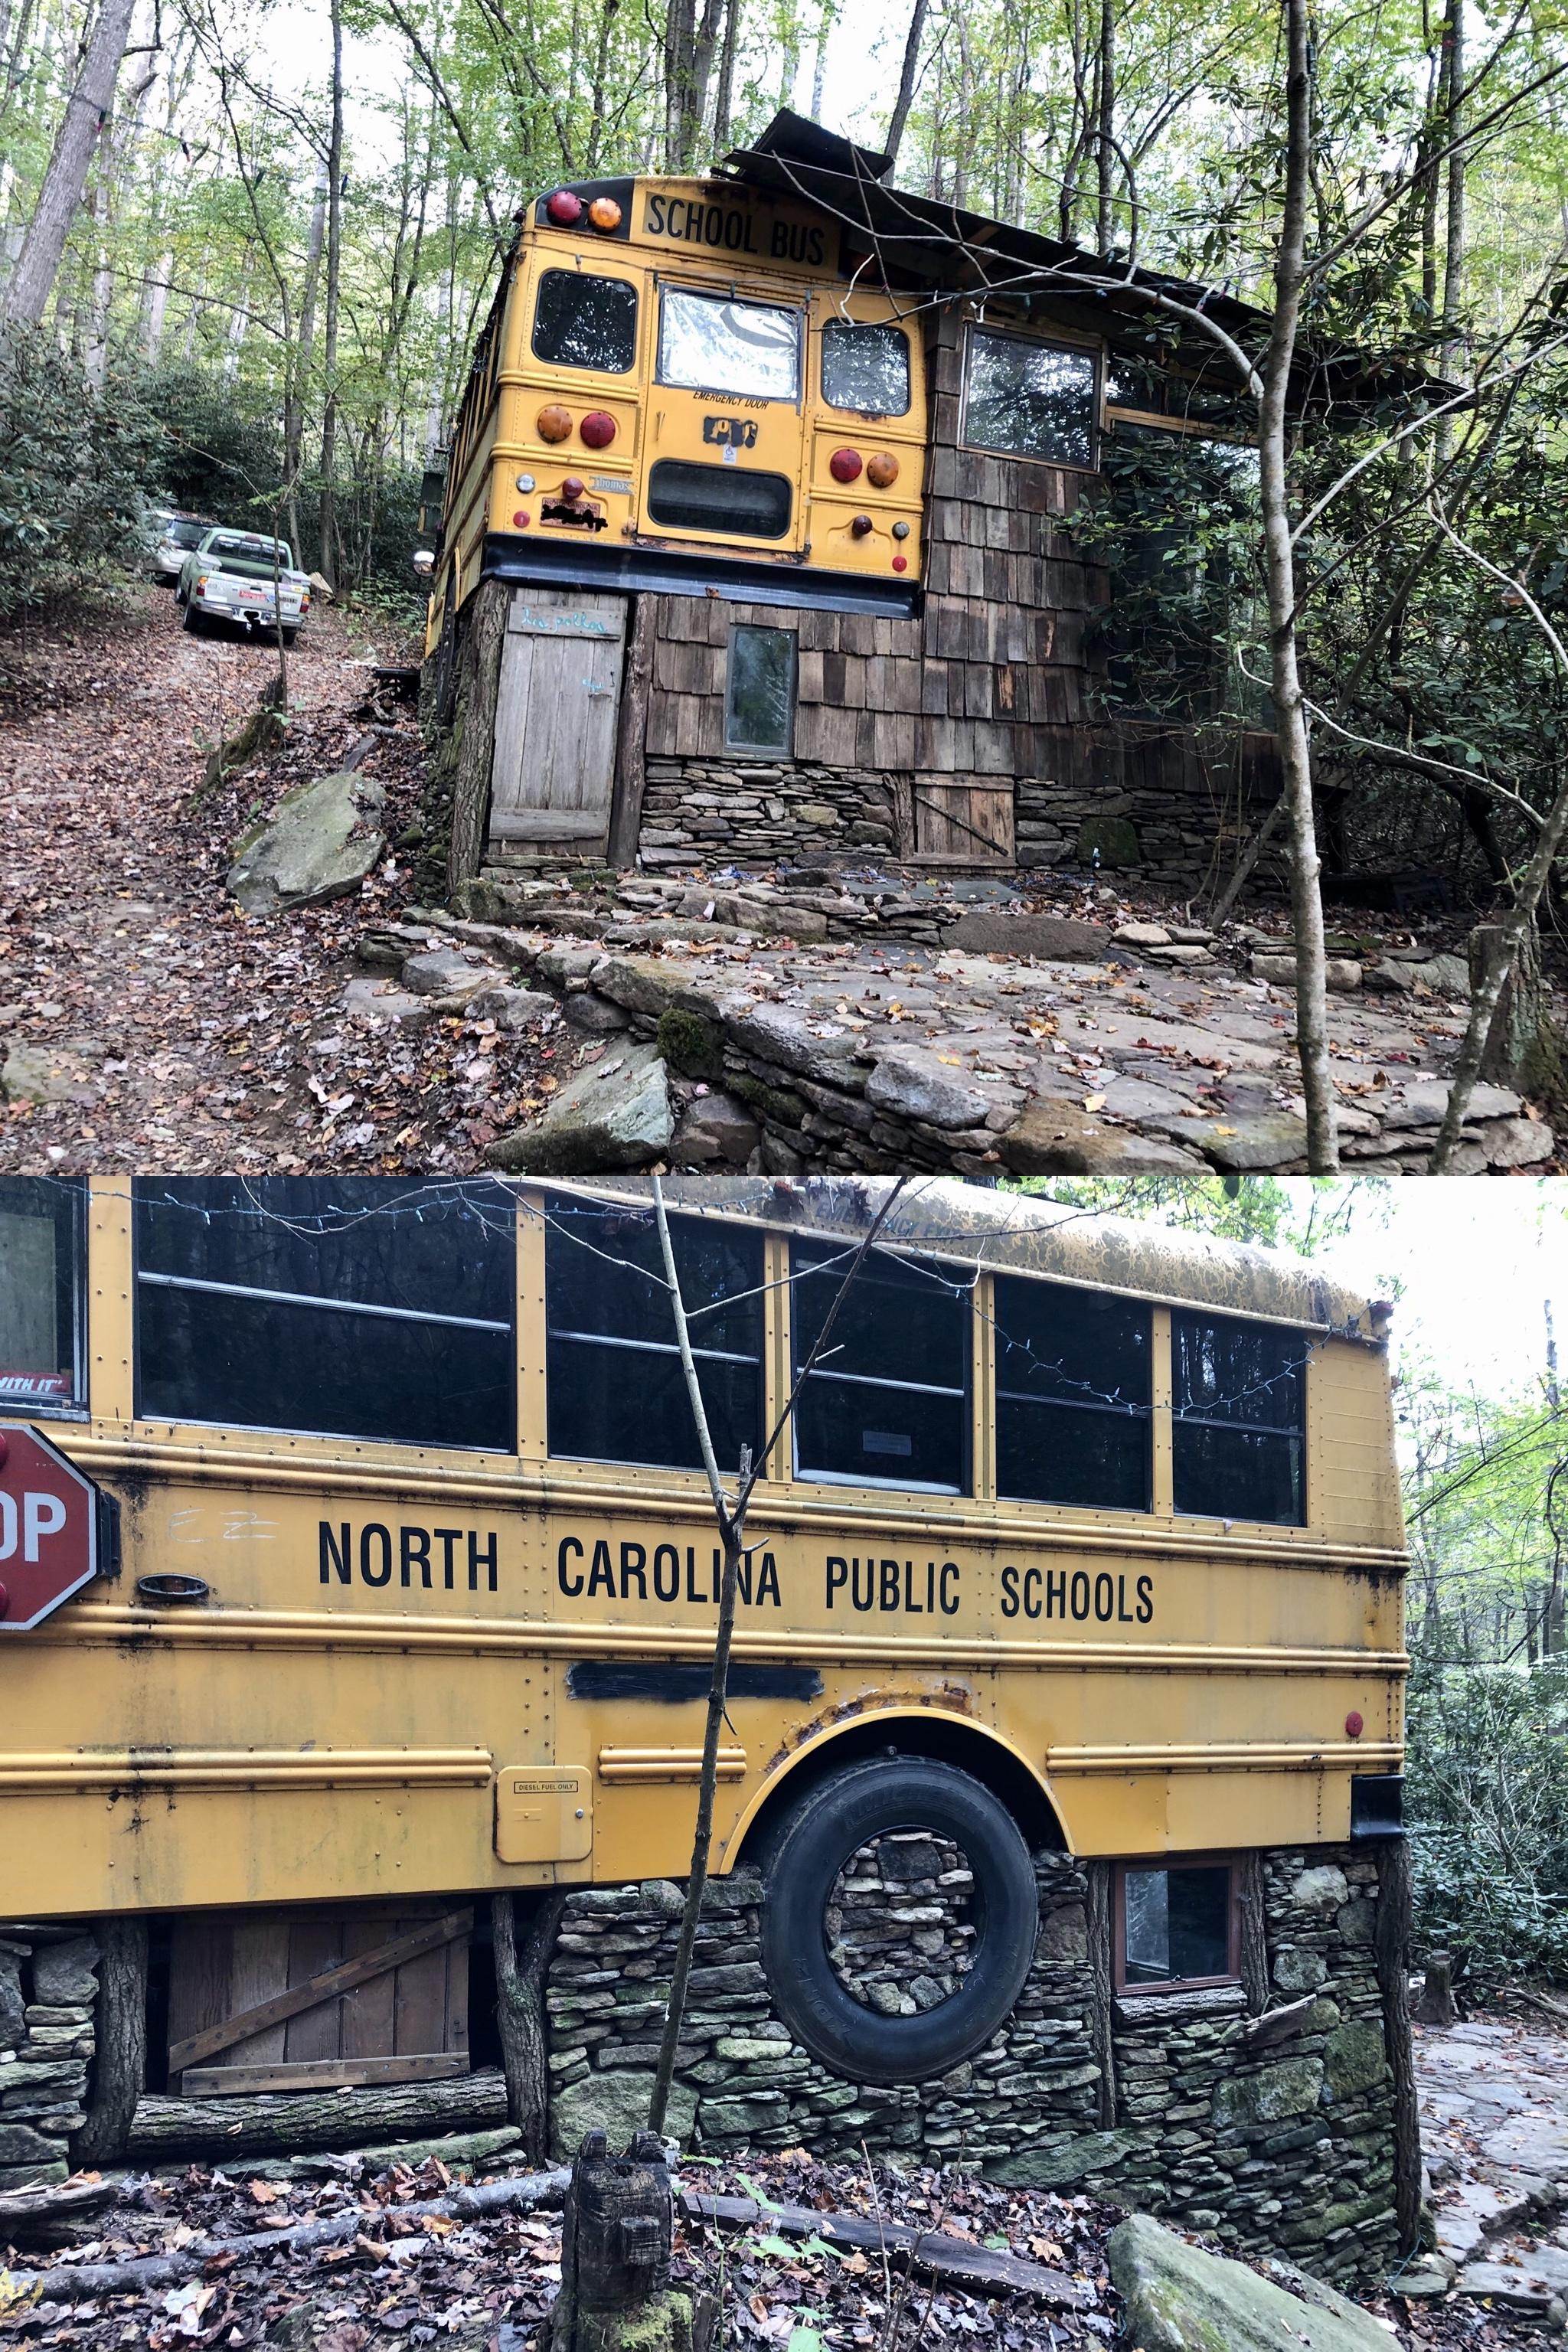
<point>804,1855</point>
<point>289,635</point>
<point>192,621</point>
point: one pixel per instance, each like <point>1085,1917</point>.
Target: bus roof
<point>1031,1234</point>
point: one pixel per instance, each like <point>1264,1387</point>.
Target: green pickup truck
<point>235,575</point>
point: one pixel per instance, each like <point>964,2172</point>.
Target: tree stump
<point>1436,2006</point>
<point>615,2295</point>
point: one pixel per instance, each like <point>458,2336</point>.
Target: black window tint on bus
<point>866,368</point>
<point>1239,1400</point>
<point>1030,399</point>
<point>586,322</point>
<point>1073,1421</point>
<point>1176,1924</point>
<point>683,496</point>
<point>615,1386</point>
<point>888,1402</point>
<point>42,1249</point>
<point>759,697</point>
<point>359,1307</point>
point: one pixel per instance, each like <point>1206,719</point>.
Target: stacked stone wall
<point>1282,2147</point>
<point>739,812</point>
<point>49,1986</point>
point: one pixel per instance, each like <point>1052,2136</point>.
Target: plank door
<point>963,823</point>
<point>311,1999</point>
<point>556,709</point>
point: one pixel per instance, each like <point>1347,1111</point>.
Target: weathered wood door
<point>555,721</point>
<point>311,1998</point>
<point>967,823</point>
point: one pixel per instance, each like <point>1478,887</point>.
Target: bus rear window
<point>887,1404</point>
<point>42,1223</point>
<point>1239,1399</point>
<point>866,368</point>
<point>749,348</point>
<point>586,322</point>
<point>614,1381</point>
<point>1073,1421</point>
<point>348,1307</point>
<point>682,497</point>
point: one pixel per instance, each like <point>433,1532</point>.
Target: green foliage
<point>1300,1214</point>
<point>1488,1798</point>
<point>220,451</point>
<point>74,466</point>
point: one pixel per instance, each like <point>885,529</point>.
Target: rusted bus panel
<point>392,1630</point>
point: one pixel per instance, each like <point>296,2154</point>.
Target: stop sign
<point>48,1527</point>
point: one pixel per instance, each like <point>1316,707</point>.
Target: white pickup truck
<point>233,575</point>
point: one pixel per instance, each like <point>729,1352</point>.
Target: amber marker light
<point>597,428</point>
<point>604,213</point>
<point>564,208</point>
<point>881,470</point>
<point>553,422</point>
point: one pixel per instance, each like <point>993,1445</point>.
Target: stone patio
<point>1494,2128</point>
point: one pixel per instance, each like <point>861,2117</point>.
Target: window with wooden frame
<point>1178,1924</point>
<point>760,690</point>
<point>1027,398</point>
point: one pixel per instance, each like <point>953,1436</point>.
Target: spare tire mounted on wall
<point>806,1854</point>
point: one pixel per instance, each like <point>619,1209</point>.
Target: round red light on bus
<point>597,428</point>
<point>553,422</point>
<point>522,519</point>
<point>860,526</point>
<point>882,470</point>
<point>1354,1727</point>
<point>900,562</point>
<point>845,465</point>
<point>564,208</point>
<point>604,213</point>
<point>572,487</point>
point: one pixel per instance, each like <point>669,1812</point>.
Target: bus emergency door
<point>723,452</point>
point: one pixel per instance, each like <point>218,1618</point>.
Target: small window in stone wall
<point>1178,1924</point>
<point>759,697</point>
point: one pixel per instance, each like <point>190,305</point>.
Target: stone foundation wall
<point>48,1985</point>
<point>749,812</point>
<point>1287,2147</point>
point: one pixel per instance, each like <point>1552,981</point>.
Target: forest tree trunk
<point>119,2057</point>
<point>329,506</point>
<point>1393,1959</point>
<point>906,96</point>
<point>1280,566</point>
<point>519,2011</point>
<point>88,105</point>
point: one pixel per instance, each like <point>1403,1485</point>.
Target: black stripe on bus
<point>544,563</point>
<point>676,1685</point>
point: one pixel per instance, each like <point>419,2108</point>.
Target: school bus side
<point>507,477</point>
<point>418,1668</point>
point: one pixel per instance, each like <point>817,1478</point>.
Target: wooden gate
<point>556,708</point>
<point>311,1998</point>
<point>967,823</point>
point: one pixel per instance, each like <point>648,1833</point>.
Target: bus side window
<point>42,1254</point>
<point>1238,1434</point>
<point>866,368</point>
<point>1176,1926</point>
<point>615,1386</point>
<point>1073,1418</point>
<point>586,322</point>
<point>889,1404</point>
<point>1028,399</point>
<point>348,1307</point>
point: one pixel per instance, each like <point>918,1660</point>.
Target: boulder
<point>614,1114</point>
<point>1341,974</point>
<point>715,1129</point>
<point>510,1008</point>
<point>914,1083</point>
<point>1180,2299</point>
<point>1323,1888</point>
<point>1143,935</point>
<point>320,842</point>
<point>65,1975</point>
<point>614,2101</point>
<point>36,1073</point>
<point>1423,1103</point>
<point>777,1034</point>
<point>1055,938</point>
<point>1049,1138</point>
<point>446,971</point>
<point>1516,1143</point>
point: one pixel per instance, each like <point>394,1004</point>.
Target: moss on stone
<point>1115,837</point>
<point>1353,2057</point>
<point>691,1045</point>
<point>784,1109</point>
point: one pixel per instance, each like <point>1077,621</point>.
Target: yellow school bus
<point>677,387</point>
<point>1082,1534</point>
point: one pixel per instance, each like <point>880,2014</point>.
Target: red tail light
<point>564,208</point>
<point>597,429</point>
<point>845,465</point>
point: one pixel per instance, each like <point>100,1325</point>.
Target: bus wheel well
<point>937,1736</point>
